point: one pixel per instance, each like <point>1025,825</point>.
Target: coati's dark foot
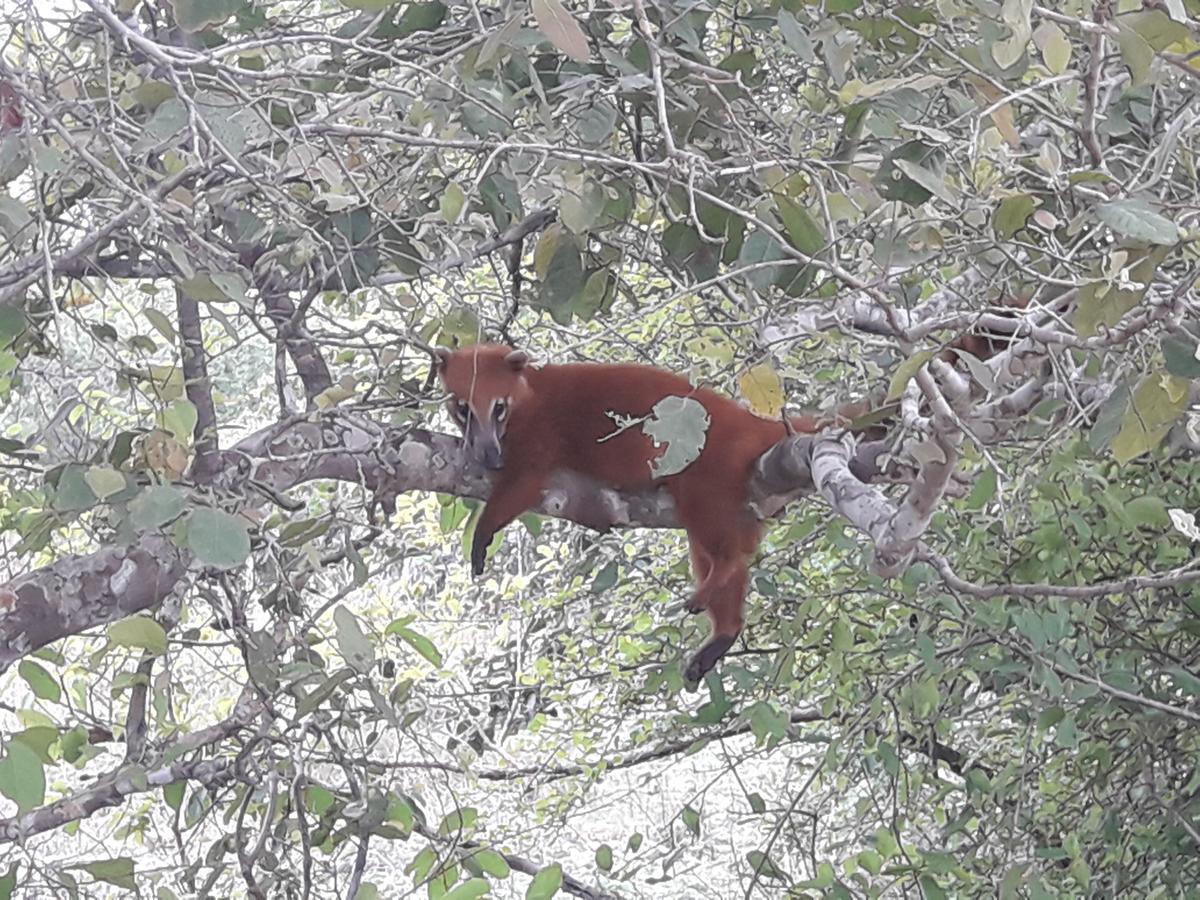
<point>707,657</point>
<point>479,550</point>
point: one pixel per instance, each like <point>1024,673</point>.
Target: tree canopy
<point>241,652</point>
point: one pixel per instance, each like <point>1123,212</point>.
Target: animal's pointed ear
<point>441,358</point>
<point>517,360</point>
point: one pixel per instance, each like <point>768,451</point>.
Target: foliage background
<point>791,199</point>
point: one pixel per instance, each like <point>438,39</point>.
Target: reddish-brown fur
<point>554,417</point>
<point>984,345</point>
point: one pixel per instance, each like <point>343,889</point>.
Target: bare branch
<point>197,386</point>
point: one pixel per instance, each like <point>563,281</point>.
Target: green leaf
<point>72,493</point>
<point>582,208</point>
<point>231,286</point>
<point>895,183</point>
<point>803,231</point>
<point>767,721</point>
<point>354,645</point>
<point>15,220</point>
<point>8,881</point>
<point>697,259</point>
<point>501,37</point>
<point>905,373</point>
<point>1185,680</point>
<point>400,813</point>
<point>104,481</point>
<point>983,490</point>
<point>12,324</point>
<point>682,424</point>
<point>759,248</point>
<point>461,820</point>
<point>766,868</point>
<point>604,858</point>
<point>691,819</point>
<point>217,538</point>
<point>1065,735</point>
<point>561,29</point>
<point>173,794</point>
<point>468,890</point>
<point>1012,213</point>
<point>40,681</point>
<point>369,5</point>
<point>492,862</point>
<point>194,15</point>
<point>871,861</point>
<point>932,181</point>
<point>452,202</point>
<point>418,642</point>
<point>420,17</point>
<point>460,326</point>
<point>1055,47</point>
<point>119,871</point>
<point>925,697</point>
<point>1149,511</point>
<point>1180,353</point>
<point>318,799</point>
<point>1137,53</point>
<point>1135,219</point>
<point>885,843</point>
<point>931,889</point>
<point>140,632</point>
<point>1015,13</point>
<point>545,883</point>
<point>22,778</point>
<point>794,36</point>
<point>595,123</point>
<point>1158,400</point>
<point>161,324</point>
<point>156,506</point>
<point>72,742</point>
<point>1103,304</point>
<point>563,278</point>
<point>605,578</point>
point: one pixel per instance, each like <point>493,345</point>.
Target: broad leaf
<point>217,538</point>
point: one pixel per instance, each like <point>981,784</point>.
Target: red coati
<point>981,343</point>
<point>528,422</point>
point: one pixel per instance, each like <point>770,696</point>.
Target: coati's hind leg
<point>726,599</point>
<point>702,565</point>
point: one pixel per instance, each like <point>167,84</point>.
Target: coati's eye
<point>500,410</point>
<point>460,410</point>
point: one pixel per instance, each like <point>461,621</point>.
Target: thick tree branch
<point>197,386</point>
<point>76,593</point>
<point>79,592</point>
<point>300,346</point>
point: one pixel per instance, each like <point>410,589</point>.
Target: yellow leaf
<point>763,390</point>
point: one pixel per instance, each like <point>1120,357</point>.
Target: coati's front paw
<point>695,604</point>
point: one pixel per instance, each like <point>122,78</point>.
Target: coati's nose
<point>491,458</point>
